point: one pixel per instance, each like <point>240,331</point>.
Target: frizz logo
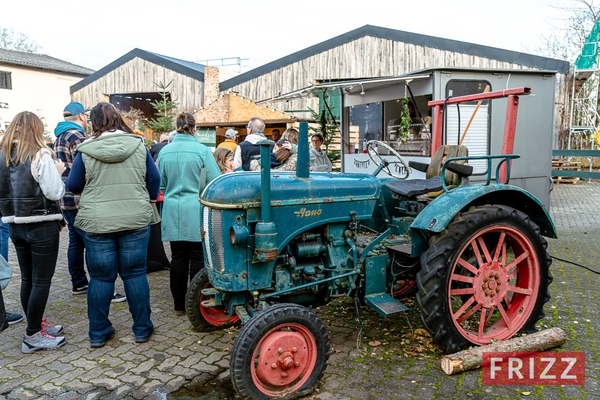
<point>541,368</point>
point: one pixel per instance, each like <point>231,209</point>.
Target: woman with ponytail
<point>185,166</point>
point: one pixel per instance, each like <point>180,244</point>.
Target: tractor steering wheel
<point>379,160</point>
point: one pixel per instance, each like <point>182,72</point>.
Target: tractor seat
<point>456,173</point>
<point>415,187</point>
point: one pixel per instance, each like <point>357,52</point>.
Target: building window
<point>5,80</point>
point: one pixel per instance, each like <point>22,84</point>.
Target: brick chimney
<point>211,85</point>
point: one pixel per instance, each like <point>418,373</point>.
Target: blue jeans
<point>4,240</point>
<point>36,245</point>
<point>123,253</point>
<point>75,255</point>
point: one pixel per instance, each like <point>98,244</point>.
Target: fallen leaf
<point>525,393</point>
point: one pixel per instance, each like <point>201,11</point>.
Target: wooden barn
<point>370,52</point>
<point>131,82</point>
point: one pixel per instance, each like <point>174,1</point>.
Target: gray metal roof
<point>494,53</point>
<point>41,61</point>
<point>187,68</point>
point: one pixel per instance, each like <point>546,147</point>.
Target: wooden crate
<point>563,165</point>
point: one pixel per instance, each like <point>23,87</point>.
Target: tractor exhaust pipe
<point>303,166</point>
<point>265,249</point>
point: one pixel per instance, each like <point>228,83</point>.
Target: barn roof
<point>187,68</point>
<point>525,59</point>
<point>41,61</point>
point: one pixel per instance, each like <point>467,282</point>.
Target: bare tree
<point>569,35</point>
<point>12,40</point>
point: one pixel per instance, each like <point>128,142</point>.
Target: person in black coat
<point>155,149</point>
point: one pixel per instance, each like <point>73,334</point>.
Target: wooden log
<point>472,358</point>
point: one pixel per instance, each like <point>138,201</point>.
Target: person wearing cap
<point>230,142</point>
<point>69,134</point>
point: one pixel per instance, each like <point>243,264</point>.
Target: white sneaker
<point>41,341</point>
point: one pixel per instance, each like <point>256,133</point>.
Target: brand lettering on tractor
<point>306,213</point>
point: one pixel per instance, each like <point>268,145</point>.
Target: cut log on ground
<point>472,358</point>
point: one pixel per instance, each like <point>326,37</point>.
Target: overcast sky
<point>93,34</point>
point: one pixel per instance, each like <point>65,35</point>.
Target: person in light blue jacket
<point>185,167</point>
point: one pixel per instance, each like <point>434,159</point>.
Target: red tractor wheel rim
<point>215,316</point>
<point>493,285</point>
<point>284,359</point>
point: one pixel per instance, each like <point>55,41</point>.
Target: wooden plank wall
<point>141,76</point>
<point>364,57</point>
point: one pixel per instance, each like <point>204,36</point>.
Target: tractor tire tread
<point>435,264</point>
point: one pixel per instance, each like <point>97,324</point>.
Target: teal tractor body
<point>279,244</point>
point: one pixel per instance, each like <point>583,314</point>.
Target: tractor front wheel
<point>281,351</point>
<point>205,319</point>
<point>484,278</point>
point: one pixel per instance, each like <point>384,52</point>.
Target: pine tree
<point>165,108</point>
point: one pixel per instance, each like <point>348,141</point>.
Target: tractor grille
<point>213,226</point>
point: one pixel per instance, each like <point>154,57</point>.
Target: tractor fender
<point>441,211</point>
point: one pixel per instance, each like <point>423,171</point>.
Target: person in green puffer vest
<point>118,181</point>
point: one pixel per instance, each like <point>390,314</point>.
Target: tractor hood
<point>242,190</point>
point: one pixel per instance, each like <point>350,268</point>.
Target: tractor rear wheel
<point>281,351</point>
<point>484,278</point>
<point>205,319</point>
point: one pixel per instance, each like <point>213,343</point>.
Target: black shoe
<point>144,339</point>
<point>118,298</point>
<point>110,335</point>
<point>80,290</point>
<point>14,318</point>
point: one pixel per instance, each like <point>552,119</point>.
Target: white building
<point>37,83</point>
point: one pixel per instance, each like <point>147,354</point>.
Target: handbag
<point>5,273</point>
<point>61,222</point>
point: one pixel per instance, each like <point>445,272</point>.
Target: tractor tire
<point>205,319</point>
<point>281,352</point>
<point>484,278</point>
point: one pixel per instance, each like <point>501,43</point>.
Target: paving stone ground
<point>391,359</point>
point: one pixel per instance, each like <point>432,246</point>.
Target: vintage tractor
<point>277,245</point>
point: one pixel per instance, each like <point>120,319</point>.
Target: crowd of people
<point>102,182</point>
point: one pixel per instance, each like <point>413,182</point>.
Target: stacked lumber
<point>565,165</point>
